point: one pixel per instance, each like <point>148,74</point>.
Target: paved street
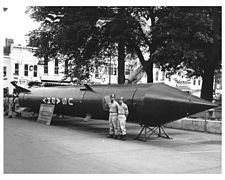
<point>82,147</point>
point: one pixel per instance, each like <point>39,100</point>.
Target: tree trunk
<point>66,66</point>
<point>207,84</point>
<point>149,71</point>
<point>121,62</point>
<point>208,76</point>
<point>147,65</point>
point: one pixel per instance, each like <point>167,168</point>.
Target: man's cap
<point>120,98</point>
<point>112,96</point>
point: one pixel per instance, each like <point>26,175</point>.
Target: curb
<point>201,125</point>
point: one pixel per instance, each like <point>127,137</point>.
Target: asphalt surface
<point>73,146</point>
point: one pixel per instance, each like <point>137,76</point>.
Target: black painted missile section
<point>150,105</point>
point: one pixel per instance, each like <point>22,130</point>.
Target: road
<point>71,145</point>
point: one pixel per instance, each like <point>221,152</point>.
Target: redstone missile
<point>151,104</point>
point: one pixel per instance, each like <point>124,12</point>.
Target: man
<point>10,106</point>
<point>17,105</point>
<point>122,116</point>
<point>6,104</point>
<point>113,112</point>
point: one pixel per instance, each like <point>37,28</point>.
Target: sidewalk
<point>74,146</point>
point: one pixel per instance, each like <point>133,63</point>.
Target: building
<point>107,74</point>
<point>22,66</point>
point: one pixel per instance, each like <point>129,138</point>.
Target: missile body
<point>151,104</point>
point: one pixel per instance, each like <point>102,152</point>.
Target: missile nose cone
<point>197,105</point>
<point>164,104</point>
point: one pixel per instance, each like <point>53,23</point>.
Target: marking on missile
<point>70,103</point>
<point>54,100</point>
<point>57,100</point>
<point>64,101</point>
<point>48,100</point>
<point>44,100</point>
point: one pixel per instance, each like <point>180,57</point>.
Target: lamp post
<point>110,64</point>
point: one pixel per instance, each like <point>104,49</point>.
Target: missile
<point>152,104</point>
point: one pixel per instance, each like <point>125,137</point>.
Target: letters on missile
<point>55,101</point>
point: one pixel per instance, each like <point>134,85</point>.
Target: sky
<point>17,24</point>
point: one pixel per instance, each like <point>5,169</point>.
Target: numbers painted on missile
<point>55,101</point>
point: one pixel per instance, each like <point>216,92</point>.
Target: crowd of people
<point>11,104</point>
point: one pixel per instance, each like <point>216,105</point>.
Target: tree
<point>115,31</point>
<point>190,37</point>
<point>141,39</point>
<point>77,36</point>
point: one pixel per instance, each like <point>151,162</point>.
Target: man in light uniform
<point>6,104</point>
<point>17,105</point>
<point>10,106</point>
<point>122,116</point>
<point>113,122</point>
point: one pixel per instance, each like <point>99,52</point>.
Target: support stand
<point>148,131</point>
<point>32,117</point>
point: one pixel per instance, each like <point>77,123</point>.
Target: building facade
<point>108,74</point>
<point>20,65</point>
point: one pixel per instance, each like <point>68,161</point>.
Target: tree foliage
<point>78,35</point>
<point>173,38</point>
<point>75,36</point>
<point>189,38</point>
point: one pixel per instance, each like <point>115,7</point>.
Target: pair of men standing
<point>118,113</point>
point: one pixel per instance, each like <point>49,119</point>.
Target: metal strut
<point>148,131</point>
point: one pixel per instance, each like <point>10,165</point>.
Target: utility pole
<point>110,65</point>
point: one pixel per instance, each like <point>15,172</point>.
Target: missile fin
<point>87,88</point>
<point>18,88</point>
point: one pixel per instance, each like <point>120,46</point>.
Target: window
<point>106,71</point>
<point>56,66</point>
<point>163,76</point>
<point>114,71</point>
<point>96,72</point>
<point>111,71</point>
<point>4,71</point>
<point>199,82</point>
<point>46,67</point>
<point>168,76</point>
<point>157,76</point>
<point>26,70</point>
<point>16,72</point>
<point>127,70</point>
<point>194,82</point>
<point>35,70</point>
